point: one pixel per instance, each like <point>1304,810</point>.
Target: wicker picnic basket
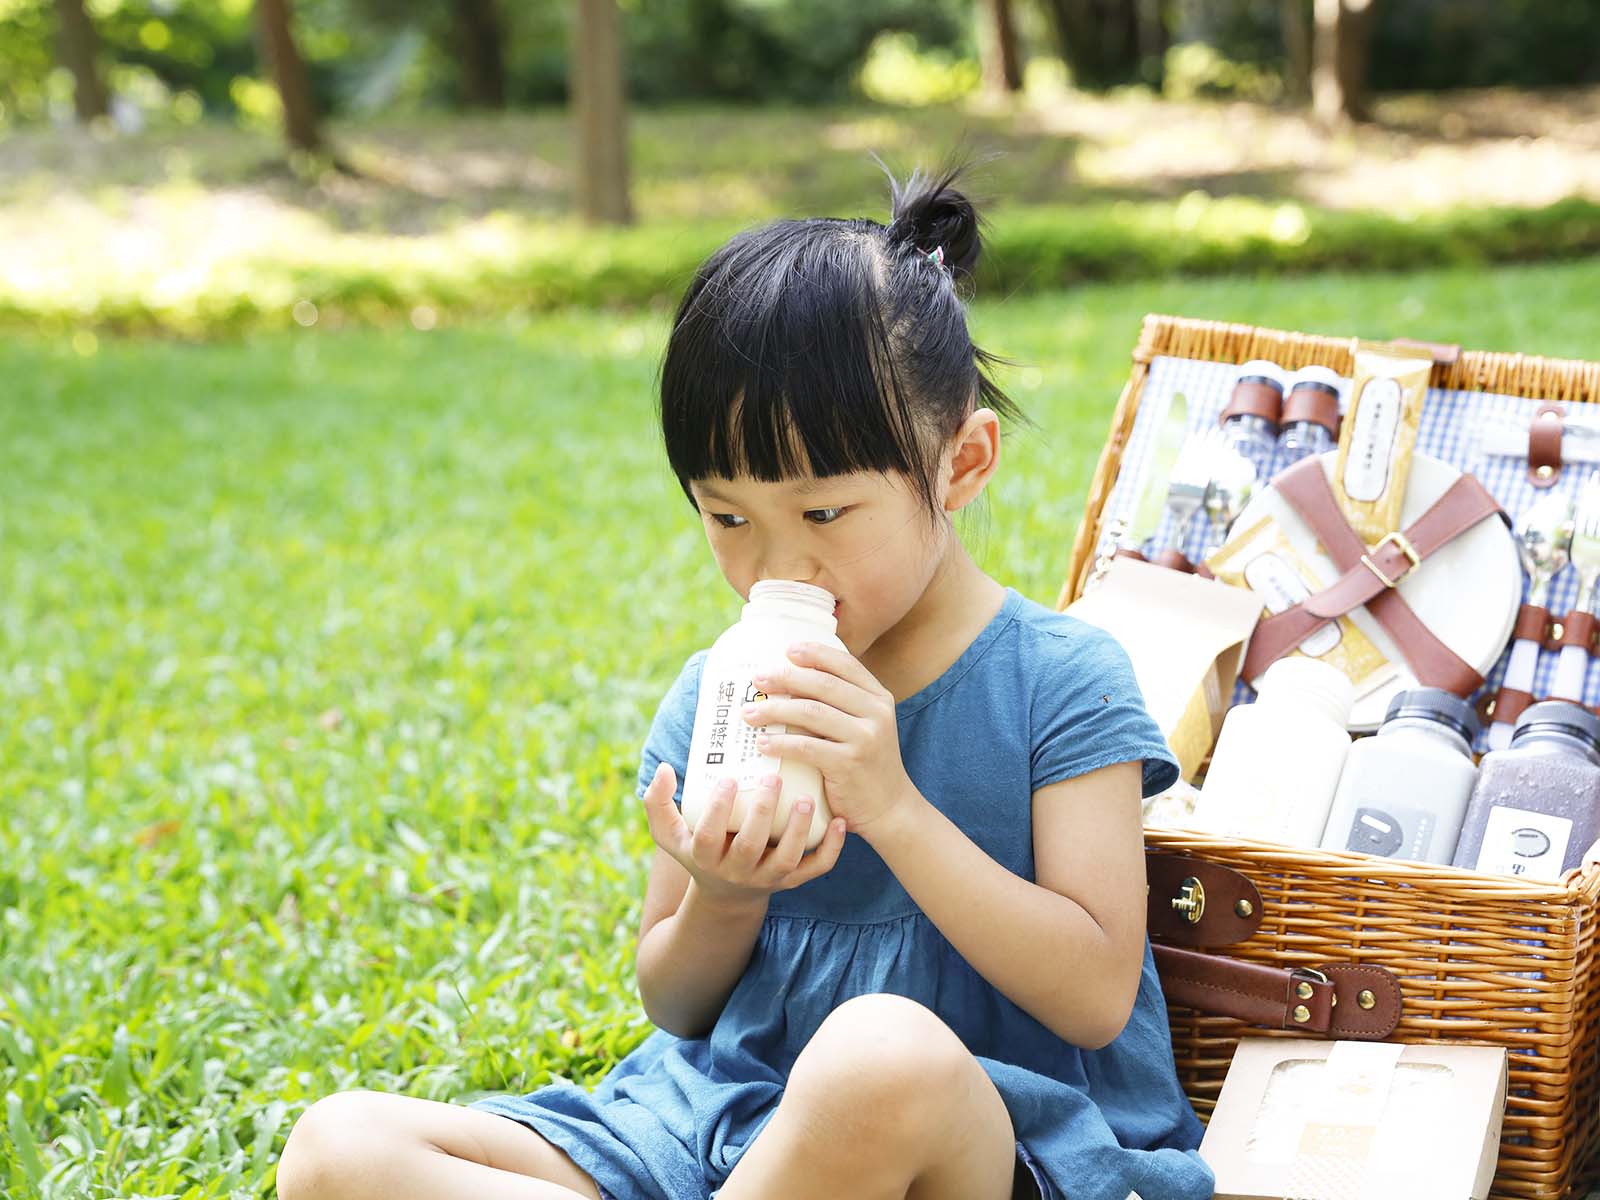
<point>1479,958</point>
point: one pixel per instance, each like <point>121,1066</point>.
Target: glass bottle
<point>1403,792</point>
<point>1310,421</point>
<point>1250,418</point>
<point>1536,807</point>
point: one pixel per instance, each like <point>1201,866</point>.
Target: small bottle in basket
<point>1536,807</point>
<point>1277,761</point>
<point>1310,422</point>
<point>778,613</point>
<point>1250,418</point>
<point>1404,792</point>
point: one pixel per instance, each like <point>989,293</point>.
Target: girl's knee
<point>328,1143</point>
<point>888,1058</point>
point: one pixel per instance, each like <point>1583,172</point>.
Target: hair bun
<point>927,213</point>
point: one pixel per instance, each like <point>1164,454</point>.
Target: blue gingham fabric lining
<point>1448,421</point>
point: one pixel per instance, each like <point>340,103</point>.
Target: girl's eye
<point>826,516</point>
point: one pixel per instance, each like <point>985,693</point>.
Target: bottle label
<point>723,743</point>
<point>1517,841</point>
<point>1366,470</point>
<point>1392,832</point>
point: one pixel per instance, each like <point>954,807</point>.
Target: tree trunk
<point>80,51</point>
<point>599,104</point>
<point>1294,17</point>
<point>275,20</point>
<point>1339,73</point>
<point>1100,40</point>
<point>1002,69</point>
<point>483,73</point>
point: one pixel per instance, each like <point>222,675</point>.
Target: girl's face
<point>864,537</point>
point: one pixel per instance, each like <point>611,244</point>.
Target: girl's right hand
<point>739,865</point>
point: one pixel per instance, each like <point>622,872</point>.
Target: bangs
<point>780,366</point>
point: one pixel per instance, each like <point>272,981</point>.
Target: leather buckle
<point>1399,539</point>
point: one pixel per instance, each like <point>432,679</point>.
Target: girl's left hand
<point>846,729</point>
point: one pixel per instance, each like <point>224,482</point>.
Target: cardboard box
<point>1305,1119</point>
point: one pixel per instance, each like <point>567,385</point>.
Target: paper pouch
<point>1377,439</point>
<point>1263,560</point>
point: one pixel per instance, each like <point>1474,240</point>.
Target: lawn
<point>326,658</point>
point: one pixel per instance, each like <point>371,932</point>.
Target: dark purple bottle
<point>1536,807</point>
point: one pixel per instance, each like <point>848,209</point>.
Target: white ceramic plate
<point>1467,592</point>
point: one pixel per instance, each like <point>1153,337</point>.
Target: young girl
<point>952,996</point>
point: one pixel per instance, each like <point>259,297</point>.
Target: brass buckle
<point>1399,539</point>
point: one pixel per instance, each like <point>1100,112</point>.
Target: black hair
<point>832,345</point>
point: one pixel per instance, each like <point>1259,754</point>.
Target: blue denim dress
<point>1037,697</point>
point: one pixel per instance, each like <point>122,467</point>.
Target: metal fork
<point>1186,494</point>
<point>1585,557</point>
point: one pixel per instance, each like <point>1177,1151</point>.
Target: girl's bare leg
<point>354,1145</point>
<point>884,1103</point>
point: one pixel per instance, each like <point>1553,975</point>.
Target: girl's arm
<point>689,962</point>
<point>1067,950</point>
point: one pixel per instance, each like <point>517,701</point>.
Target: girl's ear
<point>971,458</point>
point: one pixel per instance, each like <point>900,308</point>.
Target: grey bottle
<point>1536,807</point>
<point>1404,792</point>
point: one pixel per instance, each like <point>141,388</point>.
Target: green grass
<point>325,659</point>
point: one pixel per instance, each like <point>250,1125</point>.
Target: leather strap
<point>1578,629</point>
<point>1441,352</point>
<point>1313,401</point>
<point>1231,908</point>
<point>1509,704</point>
<point>1255,398</point>
<point>1533,624</point>
<point>1338,1000</point>
<point>1544,445</point>
<point>1369,576</point>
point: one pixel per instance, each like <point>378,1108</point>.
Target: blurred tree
<point>300,126</point>
<point>1002,67</point>
<point>1107,43</point>
<point>478,37</point>
<point>80,53</point>
<point>1295,17</point>
<point>599,104</point>
<point>1339,69</point>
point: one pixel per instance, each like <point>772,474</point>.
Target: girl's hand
<point>739,867</point>
<point>846,729</point>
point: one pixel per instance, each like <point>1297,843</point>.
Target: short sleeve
<point>673,726</point>
<point>1089,712</point>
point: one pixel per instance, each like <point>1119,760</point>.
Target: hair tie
<point>936,256</point>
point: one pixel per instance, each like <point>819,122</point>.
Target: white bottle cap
<point>1263,367</point>
<point>792,590</point>
<point>1297,677</point>
<point>1323,375</point>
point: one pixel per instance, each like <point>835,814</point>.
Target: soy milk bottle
<point>779,613</point>
<point>1277,761</point>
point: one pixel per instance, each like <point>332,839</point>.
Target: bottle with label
<point>1310,423</point>
<point>1404,792</point>
<point>1250,419</point>
<point>1536,807</point>
<point>1277,761</point>
<point>779,613</point>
